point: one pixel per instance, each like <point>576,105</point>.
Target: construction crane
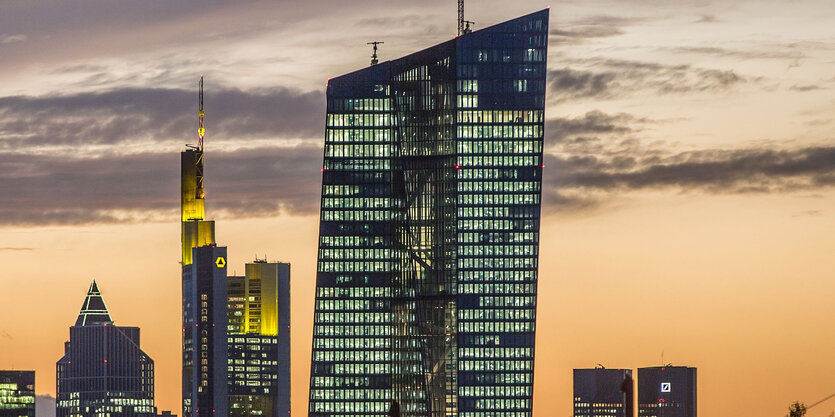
<point>374,59</point>
<point>798,409</point>
<point>201,131</point>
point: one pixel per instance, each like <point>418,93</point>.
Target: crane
<point>374,59</point>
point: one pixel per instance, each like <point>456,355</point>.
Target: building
<point>205,324</point>
<point>667,391</point>
<point>258,336</point>
<point>17,393</point>
<point>203,290</point>
<point>103,373</point>
<point>429,230</point>
<point>603,392</point>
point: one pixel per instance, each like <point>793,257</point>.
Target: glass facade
<point>17,393</point>
<point>258,338</point>
<point>667,391</point>
<point>103,373</point>
<point>205,321</point>
<point>429,233</point>
<point>603,392</point>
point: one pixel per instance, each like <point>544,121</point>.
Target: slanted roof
<point>94,310</point>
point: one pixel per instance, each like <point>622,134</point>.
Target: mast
<point>201,131</point>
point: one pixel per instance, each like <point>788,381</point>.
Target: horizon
<point>688,182</point>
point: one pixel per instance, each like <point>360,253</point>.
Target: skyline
<point>697,163</point>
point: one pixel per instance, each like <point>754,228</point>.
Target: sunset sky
<point>688,199</point>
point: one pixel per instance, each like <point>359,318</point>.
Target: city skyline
<point>688,178</point>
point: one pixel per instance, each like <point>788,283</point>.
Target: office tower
<point>258,335</point>
<point>667,391</point>
<point>103,373</point>
<point>429,232</point>
<point>205,324</point>
<point>196,232</point>
<point>603,392</point>
<point>17,393</point>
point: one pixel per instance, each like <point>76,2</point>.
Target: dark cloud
<point>581,30</point>
<point>609,78</point>
<point>591,165</point>
<point>54,189</point>
<point>560,130</point>
<point>806,87</point>
<point>781,52</point>
<point>129,115</point>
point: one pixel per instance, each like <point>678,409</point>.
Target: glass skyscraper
<point>103,373</point>
<point>258,334</point>
<point>667,391</point>
<point>429,233</point>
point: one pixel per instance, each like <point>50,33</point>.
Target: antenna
<point>199,192</point>
<point>201,131</point>
<point>374,59</point>
<point>467,28</point>
<point>460,17</point>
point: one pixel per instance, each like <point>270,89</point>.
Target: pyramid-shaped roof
<point>94,310</point>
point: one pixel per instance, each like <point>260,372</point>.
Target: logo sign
<point>666,387</point>
<point>220,262</point>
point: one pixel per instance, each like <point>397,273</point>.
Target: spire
<point>94,310</point>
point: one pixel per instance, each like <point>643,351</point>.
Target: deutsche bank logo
<point>665,387</point>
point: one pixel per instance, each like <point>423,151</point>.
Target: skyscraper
<point>17,393</point>
<point>429,233</point>
<point>207,392</point>
<point>103,373</point>
<point>198,232</point>
<point>258,335</point>
<point>603,392</point>
<point>667,391</point>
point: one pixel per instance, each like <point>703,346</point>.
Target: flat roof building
<point>667,391</point>
<point>17,393</point>
<point>258,335</point>
<point>602,392</point>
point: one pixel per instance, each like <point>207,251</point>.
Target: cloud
<point>806,87</point>
<point>559,130</point>
<point>791,52</point>
<point>611,78</point>
<point>4,38</point>
<point>600,158</point>
<point>112,188</point>
<point>707,18</point>
<point>581,30</point>
<point>44,405</point>
<point>151,115</point>
<point>16,249</point>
